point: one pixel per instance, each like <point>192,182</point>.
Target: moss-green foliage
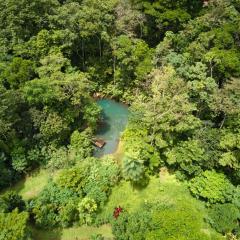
<point>176,222</point>
<point>54,207</point>
<point>132,226</point>
<point>189,155</point>
<point>133,168</point>
<point>87,207</point>
<point>136,140</point>
<point>23,20</point>
<point>61,158</point>
<point>133,61</point>
<point>74,178</point>
<point>18,72</point>
<point>224,217</point>
<point>13,226</point>
<point>212,186</point>
<point>101,179</point>
<point>81,142</point>
<point>170,15</point>
<point>49,105</point>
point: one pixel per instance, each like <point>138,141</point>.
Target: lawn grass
<point>165,189</point>
<point>31,185</point>
<point>74,233</point>
<point>169,190</point>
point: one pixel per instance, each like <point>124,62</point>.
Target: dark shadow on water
<point>103,128</point>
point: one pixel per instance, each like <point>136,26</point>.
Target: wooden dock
<point>99,143</point>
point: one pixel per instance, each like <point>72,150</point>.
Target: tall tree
<point>166,111</point>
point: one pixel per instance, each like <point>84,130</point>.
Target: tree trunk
<point>223,121</point>
<point>114,68</point>
<point>100,49</point>
<point>83,55</point>
<point>154,124</point>
<point>211,69</point>
<point>141,31</point>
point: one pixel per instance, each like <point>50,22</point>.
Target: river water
<point>115,118</point>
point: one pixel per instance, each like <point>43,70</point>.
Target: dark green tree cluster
<point>41,107</point>
<point>13,218</point>
<point>76,195</point>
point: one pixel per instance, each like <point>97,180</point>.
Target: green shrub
<point>224,217</point>
<point>132,226</point>
<point>211,186</point>
<point>74,178</point>
<point>81,142</point>
<point>102,177</point>
<point>87,207</point>
<point>13,226</point>
<point>55,206</point>
<point>133,167</point>
<point>188,156</point>
<point>176,222</point>
<point>60,158</point>
<point>97,237</point>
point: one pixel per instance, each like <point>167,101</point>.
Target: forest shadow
<point>17,186</point>
<point>30,185</point>
<point>21,183</point>
<point>41,234</point>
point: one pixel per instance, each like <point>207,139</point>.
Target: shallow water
<point>115,118</point>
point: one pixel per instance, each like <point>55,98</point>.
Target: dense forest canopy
<point>175,63</point>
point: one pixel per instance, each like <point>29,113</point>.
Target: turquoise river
<point>114,120</point>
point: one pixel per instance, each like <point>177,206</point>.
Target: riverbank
<point>119,153</point>
<point>100,96</point>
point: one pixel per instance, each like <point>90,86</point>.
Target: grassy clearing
<point>74,233</point>
<point>169,191</point>
<point>165,189</point>
<point>32,185</point>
